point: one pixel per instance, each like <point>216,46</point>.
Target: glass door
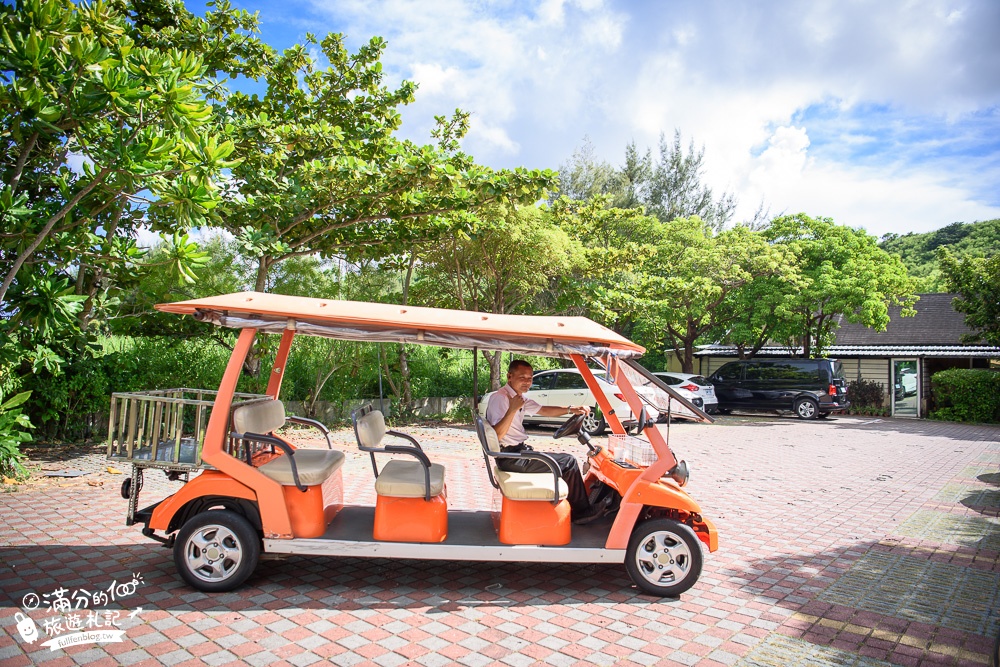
<point>905,388</point>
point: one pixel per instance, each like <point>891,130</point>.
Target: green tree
<point>323,172</point>
<point>976,280</point>
<point>511,258</point>
<point>676,189</point>
<point>615,241</point>
<point>98,131</point>
<point>919,252</point>
<point>843,274</point>
<point>584,176</point>
<point>668,188</point>
<point>759,311</point>
<point>693,271</point>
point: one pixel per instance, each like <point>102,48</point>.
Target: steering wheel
<point>571,426</point>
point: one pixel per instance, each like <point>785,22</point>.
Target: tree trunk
<point>494,360</point>
<point>406,387</point>
<point>687,362</point>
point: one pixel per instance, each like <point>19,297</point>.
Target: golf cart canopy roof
<point>389,323</point>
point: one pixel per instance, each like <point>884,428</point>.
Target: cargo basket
<point>163,428</point>
<point>631,449</point>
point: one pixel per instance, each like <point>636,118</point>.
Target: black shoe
<point>588,515</point>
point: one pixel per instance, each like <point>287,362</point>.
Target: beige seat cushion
<point>492,441</point>
<point>529,485</point>
<point>371,429</point>
<point>262,417</point>
<point>314,466</point>
<point>405,479</point>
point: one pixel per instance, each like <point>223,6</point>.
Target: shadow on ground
<point>316,582</point>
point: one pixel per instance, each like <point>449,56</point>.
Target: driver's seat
<point>534,509</point>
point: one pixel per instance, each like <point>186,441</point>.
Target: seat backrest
<point>490,443</point>
<point>369,428</point>
<point>489,437</point>
<point>260,417</point>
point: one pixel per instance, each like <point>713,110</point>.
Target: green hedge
<point>966,395</point>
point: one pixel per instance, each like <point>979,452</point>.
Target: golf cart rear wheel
<point>663,557</point>
<point>216,551</point>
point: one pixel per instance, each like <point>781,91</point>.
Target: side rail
<point>305,421</point>
<point>163,428</point>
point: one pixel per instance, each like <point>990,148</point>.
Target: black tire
<point>663,557</point>
<point>216,551</point>
<point>595,424</point>
<point>724,411</point>
<point>806,408</point>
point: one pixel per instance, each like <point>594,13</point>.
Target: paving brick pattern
<point>844,541</point>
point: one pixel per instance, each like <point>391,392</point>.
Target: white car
<point>696,386</point>
<point>565,386</point>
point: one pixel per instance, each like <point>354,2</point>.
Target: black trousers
<point>568,470</point>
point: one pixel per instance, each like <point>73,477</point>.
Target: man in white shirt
<point>505,412</point>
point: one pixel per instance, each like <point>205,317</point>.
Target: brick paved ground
<point>847,541</point>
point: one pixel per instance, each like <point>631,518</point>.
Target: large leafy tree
<point>323,172</point>
<point>104,126</point>
<point>843,273</point>
<point>510,259</point>
<point>692,273</point>
<point>976,280</point>
<point>104,123</point>
<point>615,242</point>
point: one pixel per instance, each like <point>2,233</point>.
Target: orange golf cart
<point>249,490</point>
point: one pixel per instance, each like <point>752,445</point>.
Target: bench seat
<point>405,479</point>
<point>529,485</point>
<point>314,466</point>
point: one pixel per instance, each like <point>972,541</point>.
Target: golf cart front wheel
<point>216,551</point>
<point>664,557</point>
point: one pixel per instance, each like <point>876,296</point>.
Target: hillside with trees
<point>919,252</point>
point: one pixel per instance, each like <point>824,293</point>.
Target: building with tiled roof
<point>921,345</point>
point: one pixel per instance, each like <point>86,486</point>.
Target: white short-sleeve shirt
<point>497,408</point>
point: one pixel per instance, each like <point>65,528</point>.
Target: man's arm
<point>556,411</point>
<point>503,425</point>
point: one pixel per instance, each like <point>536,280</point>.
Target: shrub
<point>966,394</point>
<point>866,395</point>
<point>13,431</point>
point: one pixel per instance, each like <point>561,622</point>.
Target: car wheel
<point>663,557</point>
<point>806,408</point>
<point>594,423</point>
<point>216,551</point>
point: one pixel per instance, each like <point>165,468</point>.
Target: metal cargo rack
<point>162,429</point>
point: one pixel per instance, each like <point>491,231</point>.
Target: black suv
<point>811,388</point>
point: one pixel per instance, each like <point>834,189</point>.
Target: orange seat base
<point>310,512</point>
<point>411,519</point>
<point>535,522</point>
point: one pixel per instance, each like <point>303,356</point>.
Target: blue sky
<point>882,114</point>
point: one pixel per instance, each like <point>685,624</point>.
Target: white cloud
<point>779,93</point>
